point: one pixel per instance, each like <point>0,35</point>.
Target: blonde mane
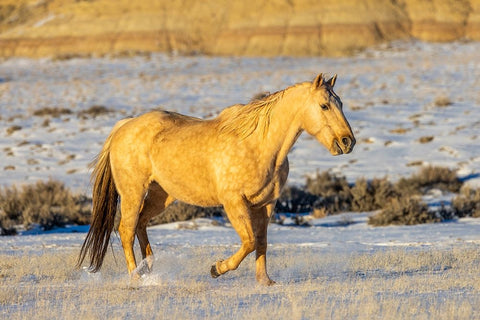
<point>242,120</point>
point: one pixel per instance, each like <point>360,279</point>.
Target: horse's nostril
<point>346,141</point>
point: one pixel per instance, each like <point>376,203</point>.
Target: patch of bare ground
<point>53,112</point>
<point>13,129</point>
<point>425,139</point>
<point>399,130</point>
<point>94,111</point>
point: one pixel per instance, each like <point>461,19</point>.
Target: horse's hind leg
<point>155,202</point>
<point>260,219</point>
<point>131,201</point>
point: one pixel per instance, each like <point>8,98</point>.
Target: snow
<point>389,96</point>
<point>344,233</point>
<point>384,91</point>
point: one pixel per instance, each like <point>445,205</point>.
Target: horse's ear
<point>332,80</point>
<point>318,82</point>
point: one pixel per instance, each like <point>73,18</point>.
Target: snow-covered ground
<point>339,268</point>
<point>410,104</point>
<point>347,232</point>
<point>389,96</point>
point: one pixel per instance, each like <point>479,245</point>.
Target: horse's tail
<point>104,207</point>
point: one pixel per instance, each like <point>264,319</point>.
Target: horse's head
<point>324,119</point>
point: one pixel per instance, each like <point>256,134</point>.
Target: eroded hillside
<point>38,28</point>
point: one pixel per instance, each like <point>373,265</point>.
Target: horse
<point>237,160</point>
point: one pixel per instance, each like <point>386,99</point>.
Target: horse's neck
<point>285,125</point>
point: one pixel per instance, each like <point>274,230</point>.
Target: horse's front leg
<point>239,215</point>
<point>260,218</point>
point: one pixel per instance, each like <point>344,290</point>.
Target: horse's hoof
<point>270,283</point>
<point>266,282</point>
<point>134,281</point>
<point>214,272</point>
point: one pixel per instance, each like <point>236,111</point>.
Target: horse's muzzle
<point>344,145</point>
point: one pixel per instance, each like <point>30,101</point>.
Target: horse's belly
<point>193,197</point>
<point>188,187</point>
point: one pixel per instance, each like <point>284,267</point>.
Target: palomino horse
<point>238,160</point>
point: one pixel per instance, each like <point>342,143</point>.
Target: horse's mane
<point>243,120</point>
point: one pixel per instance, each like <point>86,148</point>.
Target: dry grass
<point>57,112</point>
<point>53,112</point>
<point>425,139</point>
<point>48,204</point>
<point>13,129</point>
<point>392,284</point>
<point>442,101</point>
<point>94,111</point>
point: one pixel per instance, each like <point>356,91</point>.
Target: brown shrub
<point>48,204</point>
<point>384,192</point>
<point>467,203</point>
<point>428,178</point>
<point>10,210</point>
<point>295,200</point>
<point>334,194</point>
<point>404,211</point>
<point>363,196</point>
<point>325,184</point>
<point>180,211</point>
<point>371,195</point>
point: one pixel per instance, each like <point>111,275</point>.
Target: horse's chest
<point>269,188</point>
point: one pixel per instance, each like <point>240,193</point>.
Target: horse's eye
<point>324,107</point>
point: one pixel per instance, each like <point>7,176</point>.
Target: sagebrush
<point>48,204</point>
<point>404,211</point>
<point>467,203</point>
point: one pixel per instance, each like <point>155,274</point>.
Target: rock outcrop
<point>37,28</point>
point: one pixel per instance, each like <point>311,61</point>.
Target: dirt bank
<point>37,28</point>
